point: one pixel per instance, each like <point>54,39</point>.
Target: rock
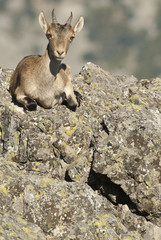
<point>14,227</point>
<point>90,174</point>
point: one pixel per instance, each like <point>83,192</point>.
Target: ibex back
<point>43,79</point>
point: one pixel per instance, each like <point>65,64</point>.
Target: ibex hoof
<point>31,104</point>
<point>78,97</point>
<point>71,104</point>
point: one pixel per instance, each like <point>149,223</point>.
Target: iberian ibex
<point>43,79</point>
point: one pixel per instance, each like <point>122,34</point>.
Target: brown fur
<point>43,79</point>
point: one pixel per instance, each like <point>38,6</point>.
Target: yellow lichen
<point>4,190</point>
<point>70,131</point>
<point>156,88</point>
<point>74,117</point>
<point>63,193</point>
<point>101,222</point>
<point>117,158</point>
<point>45,181</point>
<point>8,224</point>
<point>148,183</point>
<point>26,230</point>
<point>124,188</point>
<point>21,220</point>
<point>134,107</point>
<point>128,238</point>
<point>28,233</point>
<point>134,237</point>
<point>157,79</point>
<point>29,187</point>
<point>36,168</point>
<point>134,99</point>
<point>61,228</point>
<point>16,139</point>
<point>77,177</point>
<point>88,128</point>
<point>1,229</point>
<point>40,194</point>
<point>11,155</point>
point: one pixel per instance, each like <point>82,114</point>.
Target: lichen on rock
<point>90,174</point>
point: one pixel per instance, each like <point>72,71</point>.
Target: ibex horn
<point>69,19</point>
<point>54,20</point>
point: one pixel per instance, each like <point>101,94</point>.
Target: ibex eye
<point>71,38</point>
<point>48,35</point>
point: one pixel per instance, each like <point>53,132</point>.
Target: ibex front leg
<point>28,103</point>
<point>66,76</point>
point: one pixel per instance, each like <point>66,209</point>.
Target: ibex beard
<point>44,79</point>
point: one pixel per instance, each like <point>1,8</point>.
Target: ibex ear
<point>43,23</point>
<point>79,25</point>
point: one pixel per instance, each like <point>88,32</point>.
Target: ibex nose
<point>60,53</point>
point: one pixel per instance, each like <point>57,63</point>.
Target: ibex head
<point>60,36</point>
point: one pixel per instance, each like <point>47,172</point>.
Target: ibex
<point>43,79</point>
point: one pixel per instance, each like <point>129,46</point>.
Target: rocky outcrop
<point>90,174</point>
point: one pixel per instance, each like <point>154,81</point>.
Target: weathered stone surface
<point>14,227</point>
<point>90,174</point>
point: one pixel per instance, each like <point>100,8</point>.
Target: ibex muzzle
<point>43,79</point>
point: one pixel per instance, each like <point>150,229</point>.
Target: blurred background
<point>122,36</point>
